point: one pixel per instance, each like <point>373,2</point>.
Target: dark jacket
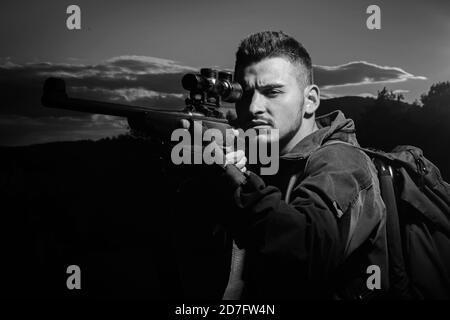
<point>320,242</point>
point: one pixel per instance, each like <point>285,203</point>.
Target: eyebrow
<point>268,86</point>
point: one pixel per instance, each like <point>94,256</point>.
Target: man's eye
<point>272,93</point>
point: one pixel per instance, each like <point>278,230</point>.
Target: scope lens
<point>230,91</point>
<point>225,75</point>
<point>191,82</point>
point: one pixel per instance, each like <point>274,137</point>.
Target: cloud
<point>132,96</point>
<point>138,65</point>
<point>328,95</point>
<point>367,95</point>
<point>359,73</point>
<point>147,81</point>
<point>400,91</point>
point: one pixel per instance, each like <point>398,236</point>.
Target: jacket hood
<point>332,126</point>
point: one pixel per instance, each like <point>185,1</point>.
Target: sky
<point>136,52</point>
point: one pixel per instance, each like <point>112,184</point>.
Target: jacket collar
<point>332,126</point>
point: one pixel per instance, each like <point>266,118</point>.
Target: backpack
<point>417,226</point>
<point>417,223</point>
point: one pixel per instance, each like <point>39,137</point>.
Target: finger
<point>229,158</point>
<point>234,156</point>
<point>228,149</point>
<point>244,169</point>
<point>184,124</point>
<point>231,136</point>
<point>241,164</point>
<point>240,154</point>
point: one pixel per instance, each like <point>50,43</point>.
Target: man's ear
<point>312,99</point>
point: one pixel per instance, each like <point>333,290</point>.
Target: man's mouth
<point>259,124</point>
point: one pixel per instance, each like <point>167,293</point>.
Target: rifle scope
<point>213,82</point>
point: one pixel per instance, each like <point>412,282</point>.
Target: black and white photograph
<point>224,157</point>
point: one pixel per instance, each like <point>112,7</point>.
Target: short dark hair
<point>271,44</point>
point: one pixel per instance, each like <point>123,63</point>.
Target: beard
<point>292,131</point>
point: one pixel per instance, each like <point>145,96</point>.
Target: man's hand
<point>237,158</point>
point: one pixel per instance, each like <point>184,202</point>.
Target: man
<point>313,229</point>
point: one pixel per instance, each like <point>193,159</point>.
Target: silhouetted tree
<point>389,95</point>
<point>438,96</point>
<point>400,97</point>
<point>416,103</point>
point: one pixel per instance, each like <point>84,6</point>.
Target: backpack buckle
<point>383,168</point>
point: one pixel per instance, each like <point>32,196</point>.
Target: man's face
<point>273,98</point>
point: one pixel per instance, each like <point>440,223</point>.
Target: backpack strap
<point>398,279</point>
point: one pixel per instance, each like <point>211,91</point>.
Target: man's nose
<point>257,103</point>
